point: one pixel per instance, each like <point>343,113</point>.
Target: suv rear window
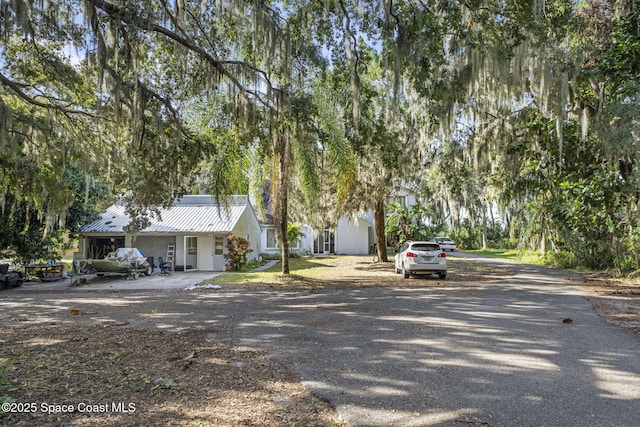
<point>425,247</point>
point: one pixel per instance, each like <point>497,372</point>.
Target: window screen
<point>192,245</point>
<point>219,245</point>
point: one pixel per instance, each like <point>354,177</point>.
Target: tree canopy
<point>529,106</point>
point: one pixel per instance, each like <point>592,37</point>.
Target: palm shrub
<point>294,235</point>
<point>406,223</point>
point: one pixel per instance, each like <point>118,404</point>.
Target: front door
<point>190,253</point>
<point>218,253</point>
<point>327,241</point>
<point>324,242</point>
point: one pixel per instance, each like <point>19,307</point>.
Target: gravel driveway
<point>525,351</point>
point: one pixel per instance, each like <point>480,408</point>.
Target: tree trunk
<point>281,211</point>
<point>484,227</point>
<point>632,207</point>
<point>510,224</point>
<point>618,262</point>
<point>381,240</point>
<point>493,217</point>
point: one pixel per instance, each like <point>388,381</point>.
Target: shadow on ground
<point>525,350</point>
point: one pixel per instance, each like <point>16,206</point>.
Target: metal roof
<point>199,214</point>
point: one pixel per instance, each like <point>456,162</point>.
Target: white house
<point>353,235</point>
<point>192,233</point>
<point>269,243</point>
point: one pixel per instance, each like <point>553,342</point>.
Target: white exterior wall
<point>305,247</point>
<point>263,241</point>
<point>306,244</point>
<point>367,216</point>
<point>410,198</point>
<point>352,236</point>
<point>249,228</point>
<point>154,243</point>
<point>154,246</point>
<point>206,259</point>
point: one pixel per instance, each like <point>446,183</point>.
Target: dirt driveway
<point>523,349</point>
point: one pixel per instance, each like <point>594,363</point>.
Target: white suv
<point>421,257</point>
<point>446,243</point>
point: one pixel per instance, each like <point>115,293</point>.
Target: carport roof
<point>197,214</point>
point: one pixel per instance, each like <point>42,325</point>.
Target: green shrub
<point>466,236</point>
<point>562,259</point>
<point>270,257</point>
<point>238,249</point>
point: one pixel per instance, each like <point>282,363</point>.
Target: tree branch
<point>161,99</point>
<point>121,14</point>
<point>17,89</point>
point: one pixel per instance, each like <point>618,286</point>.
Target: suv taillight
<point>411,255</point>
<point>442,255</point>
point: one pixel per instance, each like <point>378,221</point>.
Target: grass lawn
<point>309,267</point>
<point>347,270</point>
<point>525,257</point>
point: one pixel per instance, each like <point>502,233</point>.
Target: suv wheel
<point>405,272</point>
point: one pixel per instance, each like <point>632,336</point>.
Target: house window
<point>218,245</point>
<point>400,200</point>
<point>192,245</point>
<point>271,238</point>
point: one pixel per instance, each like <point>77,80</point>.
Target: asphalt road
<point>493,353</point>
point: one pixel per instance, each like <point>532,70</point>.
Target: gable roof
<point>199,214</point>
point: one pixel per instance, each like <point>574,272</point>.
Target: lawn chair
<point>165,267</point>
